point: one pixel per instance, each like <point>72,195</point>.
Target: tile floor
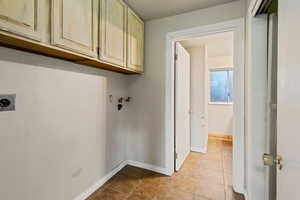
<point>202,177</point>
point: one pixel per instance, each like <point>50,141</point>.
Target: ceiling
<point>153,9</point>
<point>220,44</point>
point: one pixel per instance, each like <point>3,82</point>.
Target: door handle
<point>278,162</point>
<point>270,160</point>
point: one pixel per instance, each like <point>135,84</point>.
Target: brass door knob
<point>270,160</point>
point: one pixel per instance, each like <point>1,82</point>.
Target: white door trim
<point>236,26</point>
<point>206,97</point>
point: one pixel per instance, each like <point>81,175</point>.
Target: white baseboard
<point>99,183</point>
<point>148,167</point>
<point>240,190</point>
<point>246,196</point>
<point>220,132</point>
<point>199,149</point>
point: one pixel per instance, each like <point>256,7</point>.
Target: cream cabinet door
<point>21,17</point>
<point>135,56</point>
<point>74,25</point>
<point>113,25</point>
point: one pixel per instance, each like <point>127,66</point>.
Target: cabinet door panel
<point>113,32</point>
<point>135,58</point>
<point>21,17</point>
<point>74,25</point>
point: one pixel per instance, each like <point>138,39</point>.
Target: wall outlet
<point>7,102</point>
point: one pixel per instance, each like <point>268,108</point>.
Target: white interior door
<point>288,110</point>
<point>182,105</point>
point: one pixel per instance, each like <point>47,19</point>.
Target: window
<point>221,86</point>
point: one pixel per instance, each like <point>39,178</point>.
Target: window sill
<point>219,103</point>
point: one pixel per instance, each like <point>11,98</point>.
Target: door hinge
<point>176,56</point>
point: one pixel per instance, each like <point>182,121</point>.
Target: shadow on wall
<point>37,60</point>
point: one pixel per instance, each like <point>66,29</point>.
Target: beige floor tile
<point>124,184</point>
<point>197,197</point>
<point>202,177</point>
<point>108,194</point>
<point>228,179</point>
<point>215,192</point>
<point>175,195</point>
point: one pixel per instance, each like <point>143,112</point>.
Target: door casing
<point>237,27</point>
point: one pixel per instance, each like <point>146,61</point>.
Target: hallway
<point>202,177</point>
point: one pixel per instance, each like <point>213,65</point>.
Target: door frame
<point>236,26</point>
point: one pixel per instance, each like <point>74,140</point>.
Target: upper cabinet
<point>75,25</point>
<point>21,17</point>
<point>113,32</point>
<point>135,52</point>
<point>100,33</point>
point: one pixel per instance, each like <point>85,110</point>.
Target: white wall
<point>220,119</point>
<point>64,135</point>
<point>220,61</point>
<point>198,134</point>
<point>146,139</point>
<point>220,116</point>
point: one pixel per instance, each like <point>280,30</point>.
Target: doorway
<point>236,27</point>
<point>204,102</point>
